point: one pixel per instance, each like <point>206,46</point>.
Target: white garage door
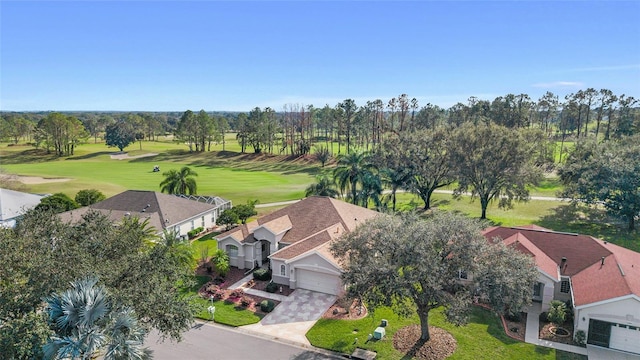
<point>626,339</point>
<point>321,282</point>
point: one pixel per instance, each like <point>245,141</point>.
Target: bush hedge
<point>193,233</point>
<point>262,274</point>
<point>272,287</point>
<point>267,306</point>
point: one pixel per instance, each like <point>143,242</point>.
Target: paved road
<point>205,341</point>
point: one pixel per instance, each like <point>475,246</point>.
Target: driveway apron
<point>294,316</point>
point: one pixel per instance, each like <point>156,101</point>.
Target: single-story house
<point>601,280</point>
<point>13,204</point>
<point>178,213</point>
<point>294,241</point>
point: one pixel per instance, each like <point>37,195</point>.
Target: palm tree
<point>371,190</point>
<point>395,179</point>
<point>351,171</point>
<point>179,182</point>
<point>85,324</point>
<point>323,187</point>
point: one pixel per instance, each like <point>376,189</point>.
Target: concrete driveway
<point>599,353</point>
<point>294,316</point>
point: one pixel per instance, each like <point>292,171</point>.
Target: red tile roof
<point>591,280</point>
<point>581,251</point>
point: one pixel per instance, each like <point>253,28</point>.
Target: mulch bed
<point>228,296</point>
<point>338,312</point>
<point>233,276</point>
<point>440,345</point>
<point>546,334</point>
<point>516,329</point>
<point>262,286</point>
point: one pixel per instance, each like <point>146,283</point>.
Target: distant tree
<point>61,132</point>
<point>605,174</point>
<point>245,211</point>
<point>350,172</point>
<point>120,134</point>
<point>322,154</point>
<point>88,197</point>
<point>87,323</point>
<point>228,218</point>
<point>322,187</point>
<point>179,182</point>
<point>419,161</point>
<point>57,203</point>
<point>492,162</point>
<point>412,264</point>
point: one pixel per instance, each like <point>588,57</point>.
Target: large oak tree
<point>413,264</point>
<point>493,163</point>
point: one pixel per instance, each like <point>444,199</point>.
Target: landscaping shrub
<point>557,312</point>
<point>236,293</point>
<point>515,317</point>
<point>272,287</point>
<point>267,305</point>
<point>193,233</point>
<point>262,275</point>
<point>218,295</point>
<point>543,317</point>
<point>581,337</point>
<point>246,301</point>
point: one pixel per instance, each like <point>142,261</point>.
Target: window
<point>283,270</point>
<point>462,275</point>
<point>202,222</point>
<point>193,224</point>
<point>565,286</point>
<point>232,250</point>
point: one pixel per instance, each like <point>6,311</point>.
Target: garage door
<point>321,282</point>
<point>625,338</point>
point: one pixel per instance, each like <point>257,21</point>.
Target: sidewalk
<point>531,334</point>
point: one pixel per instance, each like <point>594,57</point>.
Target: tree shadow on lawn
<point>582,219</point>
<point>90,155</point>
<point>28,157</point>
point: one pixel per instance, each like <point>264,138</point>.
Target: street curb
<point>257,334</point>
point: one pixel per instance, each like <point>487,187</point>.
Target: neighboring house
<point>294,241</point>
<point>602,281</point>
<point>164,212</point>
<point>13,204</point>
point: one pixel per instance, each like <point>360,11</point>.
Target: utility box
<point>379,333</point>
<point>384,323</point>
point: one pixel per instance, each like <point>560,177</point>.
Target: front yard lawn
<point>482,338</point>
<point>226,313</point>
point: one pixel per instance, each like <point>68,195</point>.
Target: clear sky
<point>213,55</point>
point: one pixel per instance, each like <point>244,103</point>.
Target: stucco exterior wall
<point>624,311</point>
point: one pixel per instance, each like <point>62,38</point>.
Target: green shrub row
<point>262,274</point>
<point>193,233</point>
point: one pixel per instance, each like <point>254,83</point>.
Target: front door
<point>538,288</point>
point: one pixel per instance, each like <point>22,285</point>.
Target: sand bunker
<point>34,180</point>
<point>124,156</point>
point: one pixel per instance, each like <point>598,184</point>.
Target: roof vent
<point>602,261</point>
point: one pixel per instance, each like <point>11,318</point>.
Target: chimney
<point>563,264</point>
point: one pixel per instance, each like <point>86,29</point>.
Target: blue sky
<point>213,55</point>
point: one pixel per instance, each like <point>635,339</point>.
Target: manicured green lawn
<point>207,243</point>
<point>482,338</point>
<point>232,176</point>
<point>226,313</point>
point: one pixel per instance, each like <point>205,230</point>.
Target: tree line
<point>297,128</point>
